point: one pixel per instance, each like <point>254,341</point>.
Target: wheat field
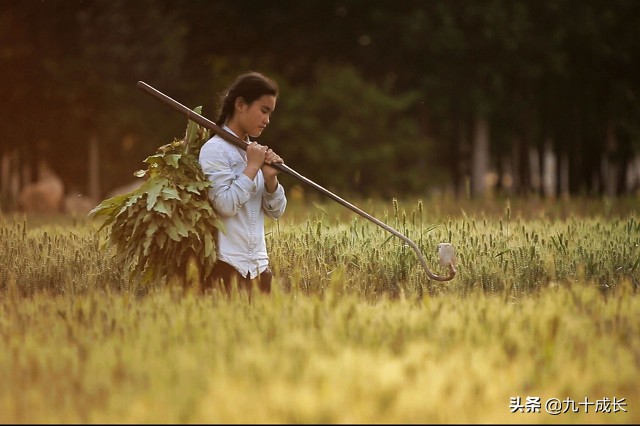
<point>539,326</point>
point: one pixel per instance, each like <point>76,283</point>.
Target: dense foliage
<point>168,223</point>
<point>559,74</point>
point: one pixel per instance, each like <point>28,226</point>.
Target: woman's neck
<point>235,128</point>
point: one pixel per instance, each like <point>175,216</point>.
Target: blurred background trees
<point>377,97</point>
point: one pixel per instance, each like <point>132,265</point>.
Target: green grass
<point>545,305</point>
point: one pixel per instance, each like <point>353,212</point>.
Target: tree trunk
<point>563,178</point>
<point>480,156</point>
<point>524,167</point>
<point>632,175</point>
<point>549,170</point>
<point>94,169</point>
<point>535,171</point>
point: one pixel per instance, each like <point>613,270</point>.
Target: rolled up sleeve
<point>274,203</point>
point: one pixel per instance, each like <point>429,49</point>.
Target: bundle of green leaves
<point>167,223</point>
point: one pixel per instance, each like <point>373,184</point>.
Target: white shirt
<point>241,204</point>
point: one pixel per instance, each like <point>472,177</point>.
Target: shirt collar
<point>242,153</point>
<point>228,129</point>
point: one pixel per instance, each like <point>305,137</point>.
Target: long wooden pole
<point>231,138</point>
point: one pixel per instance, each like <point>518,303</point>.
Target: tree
<point>558,74</point>
<point>72,80</point>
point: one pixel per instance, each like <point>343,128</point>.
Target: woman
<point>245,187</point>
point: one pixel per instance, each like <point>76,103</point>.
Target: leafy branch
<point>168,221</point>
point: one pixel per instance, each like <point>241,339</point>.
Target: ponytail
<point>226,110</point>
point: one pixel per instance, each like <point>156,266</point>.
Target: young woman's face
<point>253,118</point>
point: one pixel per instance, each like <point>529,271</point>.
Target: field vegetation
<point>545,305</point>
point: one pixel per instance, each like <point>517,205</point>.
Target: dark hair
<point>249,86</point>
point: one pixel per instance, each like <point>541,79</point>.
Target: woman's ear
<point>240,103</point>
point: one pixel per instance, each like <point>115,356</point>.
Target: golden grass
<point>173,358</point>
<point>542,307</point>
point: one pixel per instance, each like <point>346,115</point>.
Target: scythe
<point>446,251</point>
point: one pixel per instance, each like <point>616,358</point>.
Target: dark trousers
<point>224,274</point>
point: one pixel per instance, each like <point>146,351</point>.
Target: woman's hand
<point>255,159</point>
<point>260,157</point>
<point>255,155</point>
<point>269,159</point>
<point>271,173</point>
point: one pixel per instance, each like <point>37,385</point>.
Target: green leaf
<point>161,239</point>
<point>154,190</point>
<point>172,233</point>
<point>108,206</point>
<point>196,187</point>
<point>209,245</point>
<point>151,229</point>
<point>192,127</point>
<point>155,159</point>
<point>162,207</point>
<point>138,221</point>
<point>180,226</point>
<point>172,160</point>
<point>169,193</point>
